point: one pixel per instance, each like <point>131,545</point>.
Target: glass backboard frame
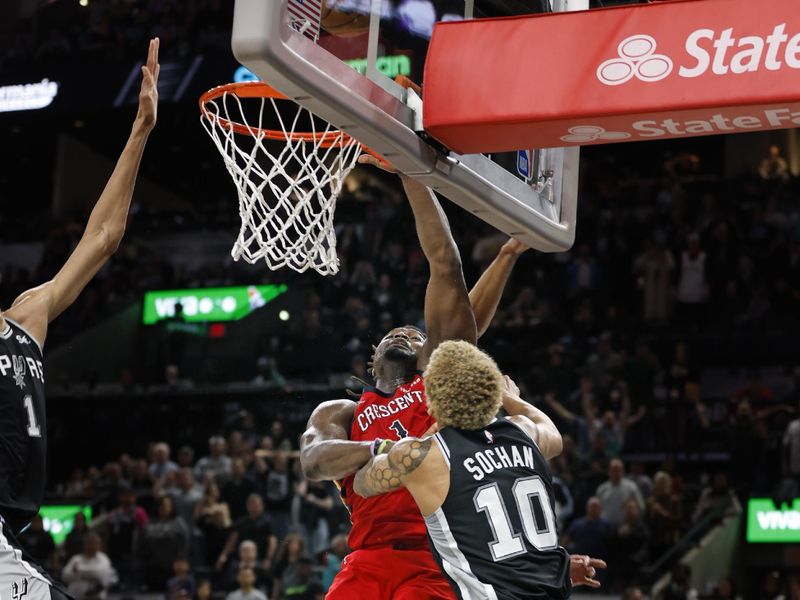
<point>389,121</point>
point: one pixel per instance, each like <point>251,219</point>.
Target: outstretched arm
<point>106,226</point>
<point>448,312</point>
<point>485,295</point>
<point>326,453</point>
<point>388,472</point>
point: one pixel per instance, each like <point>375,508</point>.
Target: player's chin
<point>400,354</point>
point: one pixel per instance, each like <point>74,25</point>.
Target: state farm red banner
<point>645,72</point>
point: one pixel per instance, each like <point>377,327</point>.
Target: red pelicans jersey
<point>389,518</point>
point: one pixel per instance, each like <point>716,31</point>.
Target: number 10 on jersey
<point>506,543</point>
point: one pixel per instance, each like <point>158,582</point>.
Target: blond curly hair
<point>463,386</point>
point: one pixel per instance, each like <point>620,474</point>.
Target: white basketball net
<point>287,193</point>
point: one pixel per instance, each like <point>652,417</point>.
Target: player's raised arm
<point>448,312</point>
<point>534,421</point>
<point>325,450</point>
<point>35,308</point>
<point>486,294</point>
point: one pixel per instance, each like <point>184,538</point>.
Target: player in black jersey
<point>23,329</point>
<point>483,484</point>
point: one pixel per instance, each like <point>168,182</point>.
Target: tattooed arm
<point>389,472</point>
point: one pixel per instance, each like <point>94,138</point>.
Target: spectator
<point>717,496</point>
<point>213,519</point>
<point>771,587</point>
<point>615,492</point>
<point>256,527</point>
<point>693,288</point>
<point>237,489</point>
<point>122,527</point>
<point>140,478</point>
<point>302,583</point>
<point>641,479</point>
<point>565,505</point>
<point>664,514</point>
<point>278,490</point>
<point>185,457</point>
<point>313,502</point>
<point>791,447</point>
<point>186,495</point>
<point>590,534</point>
<point>161,464</point>
<point>653,269</point>
<point>74,543</point>
<point>680,586</point>
<point>89,574</point>
<point>602,362</point>
<point>279,439</point>
<point>268,374</point>
<point>631,543</point>
<point>333,560</point>
<point>216,464</point>
<point>247,590</point>
<point>182,585</point>
<point>204,590</point>
<point>248,559</point>
<point>162,542</point>
<point>725,590</point>
<point>39,543</point>
<point>774,167</point>
<point>291,549</point>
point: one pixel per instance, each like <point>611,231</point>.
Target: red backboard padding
<point>644,72</point>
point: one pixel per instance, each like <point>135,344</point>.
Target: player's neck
<point>2,323</point>
<point>388,382</point>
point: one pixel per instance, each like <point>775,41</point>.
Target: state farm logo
<point>636,58</point>
<point>707,51</point>
<point>583,134</point>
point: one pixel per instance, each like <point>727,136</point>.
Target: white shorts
<point>20,579</point>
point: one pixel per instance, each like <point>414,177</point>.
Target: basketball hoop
<point>288,177</point>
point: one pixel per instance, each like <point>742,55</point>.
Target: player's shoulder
<point>30,312</point>
<point>341,405</point>
<point>333,411</point>
<point>524,424</point>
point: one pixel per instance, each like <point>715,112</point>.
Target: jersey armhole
<point>443,448</point>
<point>525,432</point>
<point>26,332</point>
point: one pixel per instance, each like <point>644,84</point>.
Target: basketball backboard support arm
<point>264,42</point>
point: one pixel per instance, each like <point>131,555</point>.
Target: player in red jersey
<point>391,557</point>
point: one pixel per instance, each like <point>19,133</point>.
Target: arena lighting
<point>391,66</point>
<point>59,519</point>
<point>208,304</point>
<point>768,523</point>
<point>283,315</point>
<point>28,96</point>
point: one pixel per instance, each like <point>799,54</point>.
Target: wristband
<point>378,446</point>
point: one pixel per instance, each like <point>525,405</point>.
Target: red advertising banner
<point>633,73</point>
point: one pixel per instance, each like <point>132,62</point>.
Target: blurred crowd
<point>239,521</point>
<point>238,518</point>
<point>114,30</point>
<point>664,345</point>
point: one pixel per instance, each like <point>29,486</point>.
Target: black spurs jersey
<point>495,535</point>
<point>23,433</point>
